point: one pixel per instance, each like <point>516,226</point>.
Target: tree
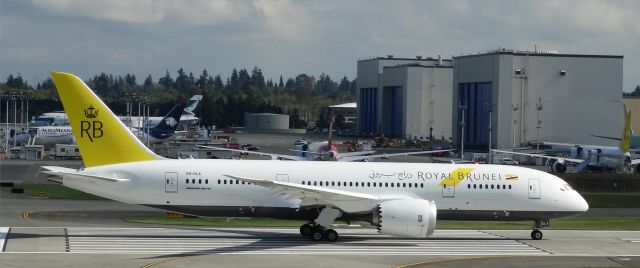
<point>634,93</point>
<point>148,82</point>
<point>166,81</point>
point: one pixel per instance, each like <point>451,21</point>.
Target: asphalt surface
<point>42,232</point>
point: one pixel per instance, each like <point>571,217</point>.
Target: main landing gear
<point>317,230</point>
<point>536,234</point>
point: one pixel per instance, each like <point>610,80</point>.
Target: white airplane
<point>59,118</point>
<point>55,118</point>
<point>399,198</point>
<point>188,116</point>
<point>593,157</point>
<point>319,151</point>
<point>64,134</point>
<point>325,151</point>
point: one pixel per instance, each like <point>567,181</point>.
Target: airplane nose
<point>582,204</point>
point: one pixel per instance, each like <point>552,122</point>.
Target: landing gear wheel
<point>306,229</point>
<point>536,235</point>
<point>316,235</point>
<point>330,235</point>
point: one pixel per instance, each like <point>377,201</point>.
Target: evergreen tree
<point>166,81</point>
<point>281,83</point>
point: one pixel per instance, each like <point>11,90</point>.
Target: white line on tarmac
<point>3,236</point>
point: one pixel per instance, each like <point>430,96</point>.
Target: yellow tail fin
<point>102,138</point>
<point>626,134</point>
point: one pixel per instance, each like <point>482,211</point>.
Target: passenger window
<point>225,181</point>
<point>404,184</point>
<point>509,187</point>
<point>193,181</point>
<point>530,187</point>
<point>206,181</point>
<point>504,187</point>
<point>474,186</point>
<point>480,186</point>
<point>243,183</point>
<point>421,185</point>
<point>219,182</point>
<point>486,186</point>
<point>320,183</point>
<point>392,185</point>
<point>237,182</point>
<point>302,182</point>
<point>368,184</point>
<point>315,183</point>
<point>398,184</point>
<point>333,183</point>
<point>386,184</point>
<point>199,181</point>
<point>468,186</point>
<point>350,183</point>
<point>491,186</point>
<point>338,183</point>
<point>187,181</point>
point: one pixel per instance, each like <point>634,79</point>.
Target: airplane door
<point>171,182</point>
<point>282,177</point>
<point>534,188</point>
<point>448,190</point>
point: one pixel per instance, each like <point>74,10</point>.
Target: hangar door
<point>478,98</point>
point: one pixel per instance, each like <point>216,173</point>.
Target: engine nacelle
<point>406,217</point>
<point>558,167</point>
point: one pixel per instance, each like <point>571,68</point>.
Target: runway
<point>265,247</point>
<point>287,241</point>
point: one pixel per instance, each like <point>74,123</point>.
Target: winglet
<point>102,138</point>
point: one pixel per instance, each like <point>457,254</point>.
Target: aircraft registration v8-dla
<point>401,199</point>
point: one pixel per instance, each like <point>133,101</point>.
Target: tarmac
<point>40,232</point>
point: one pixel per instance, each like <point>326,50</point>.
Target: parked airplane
<point>55,118</point>
<point>164,129</point>
<point>318,151</point>
<point>399,198</point>
<point>594,157</point>
<point>324,151</point>
<point>59,118</point>
<point>64,134</point>
<point>188,117</point>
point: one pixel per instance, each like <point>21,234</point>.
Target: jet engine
<point>406,217</point>
<point>557,166</point>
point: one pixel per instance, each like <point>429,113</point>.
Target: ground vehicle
<point>508,161</point>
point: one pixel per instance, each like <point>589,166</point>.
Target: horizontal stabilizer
<point>62,171</point>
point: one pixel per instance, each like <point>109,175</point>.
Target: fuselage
<point>200,187</point>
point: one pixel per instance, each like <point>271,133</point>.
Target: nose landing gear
<point>536,234</point>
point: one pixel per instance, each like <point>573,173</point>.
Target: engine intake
<point>406,217</point>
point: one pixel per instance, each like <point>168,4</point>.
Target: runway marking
<point>631,240</point>
<point>446,260</point>
<point>287,242</point>
<point>3,237</point>
<point>160,262</point>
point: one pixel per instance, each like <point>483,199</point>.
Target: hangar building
<point>405,97</point>
<point>572,96</point>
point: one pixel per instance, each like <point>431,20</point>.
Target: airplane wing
<point>369,157</point>
<point>635,162</point>
<point>542,156</point>
<point>273,156</point>
<point>313,195</point>
<point>62,171</point>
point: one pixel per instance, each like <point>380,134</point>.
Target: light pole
<point>539,108</point>
<point>515,121</point>
<point>490,129</point>
<point>463,108</point>
<point>14,98</point>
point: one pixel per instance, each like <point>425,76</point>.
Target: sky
<point>143,37</point>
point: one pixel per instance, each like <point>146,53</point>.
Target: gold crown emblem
<point>91,112</point>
